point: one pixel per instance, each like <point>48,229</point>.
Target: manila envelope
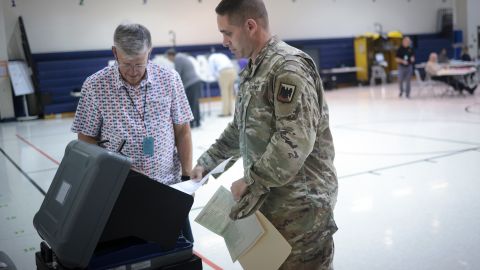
<point>270,251</point>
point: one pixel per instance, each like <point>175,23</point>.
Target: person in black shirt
<point>405,58</point>
<point>465,56</point>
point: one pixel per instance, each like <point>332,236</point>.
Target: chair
<point>449,91</point>
<point>378,72</point>
<point>427,84</point>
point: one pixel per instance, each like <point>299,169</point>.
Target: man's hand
<point>197,173</point>
<point>238,189</point>
<point>88,139</point>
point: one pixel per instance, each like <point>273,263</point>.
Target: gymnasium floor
<point>409,179</point>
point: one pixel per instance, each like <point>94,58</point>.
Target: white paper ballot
<point>191,186</point>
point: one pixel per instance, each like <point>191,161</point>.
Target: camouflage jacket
<point>281,131</point>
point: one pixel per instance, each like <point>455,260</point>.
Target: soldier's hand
<point>197,173</point>
<point>238,188</point>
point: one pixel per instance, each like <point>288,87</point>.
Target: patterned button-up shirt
<point>111,109</point>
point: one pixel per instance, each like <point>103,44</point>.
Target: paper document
<point>270,251</point>
<point>239,235</point>
<point>191,186</point>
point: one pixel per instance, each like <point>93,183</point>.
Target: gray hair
<point>132,39</point>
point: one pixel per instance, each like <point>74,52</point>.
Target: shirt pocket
<point>241,105</point>
<point>244,109</point>
<point>257,109</point>
<point>159,110</point>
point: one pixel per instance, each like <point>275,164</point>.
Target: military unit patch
<point>286,93</point>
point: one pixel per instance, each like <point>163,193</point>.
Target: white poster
<point>20,77</point>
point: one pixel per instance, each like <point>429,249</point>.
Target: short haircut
<point>171,52</point>
<point>238,11</point>
<point>133,39</point>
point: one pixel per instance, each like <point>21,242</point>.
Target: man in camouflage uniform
<point>281,131</point>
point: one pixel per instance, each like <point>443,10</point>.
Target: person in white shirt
<point>433,69</point>
<point>223,70</point>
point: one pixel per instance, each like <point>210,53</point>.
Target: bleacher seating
<point>60,73</point>
<point>425,44</point>
<point>330,53</point>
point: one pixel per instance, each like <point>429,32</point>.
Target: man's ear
<point>114,51</point>
<point>251,25</point>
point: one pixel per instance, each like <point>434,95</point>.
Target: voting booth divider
<point>100,214</point>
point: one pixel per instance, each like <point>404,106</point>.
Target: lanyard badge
<point>148,146</point>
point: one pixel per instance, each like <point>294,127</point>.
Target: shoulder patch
<point>286,92</point>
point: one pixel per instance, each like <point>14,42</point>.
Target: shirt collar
<point>121,83</point>
<point>254,64</point>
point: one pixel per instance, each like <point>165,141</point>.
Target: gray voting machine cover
<point>78,203</point>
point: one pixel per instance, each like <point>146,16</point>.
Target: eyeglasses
<point>131,67</point>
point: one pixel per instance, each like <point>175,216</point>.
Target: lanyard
<point>144,105</point>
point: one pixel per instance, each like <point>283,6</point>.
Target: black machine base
<point>144,256</point>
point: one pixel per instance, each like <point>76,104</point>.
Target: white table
<point>454,71</point>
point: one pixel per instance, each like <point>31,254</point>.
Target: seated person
<point>433,68</point>
<point>443,57</point>
<point>465,55</point>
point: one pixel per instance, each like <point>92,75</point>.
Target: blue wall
<point>60,73</point>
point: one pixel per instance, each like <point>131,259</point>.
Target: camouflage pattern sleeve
<point>296,115</point>
<point>225,147</point>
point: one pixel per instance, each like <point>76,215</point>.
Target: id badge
<point>148,146</point>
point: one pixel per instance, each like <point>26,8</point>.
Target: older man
<point>433,68</point>
<point>142,103</point>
